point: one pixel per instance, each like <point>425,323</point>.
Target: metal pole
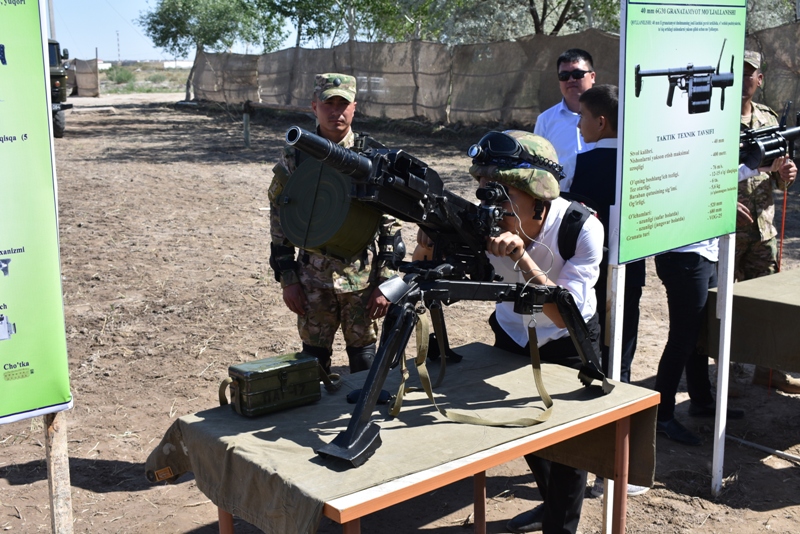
<point>52,17</point>
<point>614,314</point>
<point>724,312</point>
<point>246,120</point>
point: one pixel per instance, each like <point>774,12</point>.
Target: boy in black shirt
<point>595,183</point>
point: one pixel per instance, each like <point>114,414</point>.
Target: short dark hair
<point>573,55</point>
<point>602,100</point>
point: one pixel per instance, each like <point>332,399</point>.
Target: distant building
<point>178,64</point>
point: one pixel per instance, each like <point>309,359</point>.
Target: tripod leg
<point>362,438</point>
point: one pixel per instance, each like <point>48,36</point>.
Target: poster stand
<point>33,350</point>
<point>676,165</point>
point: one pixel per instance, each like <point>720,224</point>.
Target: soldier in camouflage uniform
<point>756,243</point>
<point>527,251</point>
<point>323,291</point>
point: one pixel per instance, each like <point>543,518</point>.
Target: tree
<point>180,25</point>
<point>769,13</point>
<point>552,16</point>
<point>603,15</point>
<point>474,21</point>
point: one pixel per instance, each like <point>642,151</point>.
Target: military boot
<point>780,380</point>
<point>322,355</point>
<point>360,357</point>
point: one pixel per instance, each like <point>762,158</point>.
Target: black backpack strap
<point>571,225</point>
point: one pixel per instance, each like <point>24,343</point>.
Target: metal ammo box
<point>273,384</point>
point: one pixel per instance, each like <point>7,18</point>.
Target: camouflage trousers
<point>328,310</point>
<point>753,257</point>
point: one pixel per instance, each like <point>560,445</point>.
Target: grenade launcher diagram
<point>697,81</point>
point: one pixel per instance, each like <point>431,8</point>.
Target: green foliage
<point>120,75</point>
<point>763,14</point>
<point>331,22</point>
<point>178,26</point>
<point>174,80</point>
<point>603,15</point>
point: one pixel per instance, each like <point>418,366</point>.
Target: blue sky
<point>82,25</point>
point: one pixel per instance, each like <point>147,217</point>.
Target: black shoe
<point>710,410</point>
<point>677,432</point>
<point>529,521</point>
<point>433,351</point>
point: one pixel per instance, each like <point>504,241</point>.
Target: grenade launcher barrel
<point>343,160</point>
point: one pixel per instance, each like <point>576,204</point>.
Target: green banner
<point>33,348</point>
<point>680,145</point>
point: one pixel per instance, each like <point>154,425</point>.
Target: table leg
<point>352,527</point>
<point>621,458</point>
<point>225,521</point>
<point>479,506</point>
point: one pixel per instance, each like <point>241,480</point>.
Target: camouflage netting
<point>515,81</point>
<point>227,77</point>
<point>506,82</point>
<point>781,67</point>
<point>83,75</point>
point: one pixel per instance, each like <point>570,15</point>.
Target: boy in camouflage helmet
<point>527,251</point>
<point>537,182</point>
<point>323,291</point>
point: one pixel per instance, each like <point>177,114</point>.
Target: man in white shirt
<point>559,124</point>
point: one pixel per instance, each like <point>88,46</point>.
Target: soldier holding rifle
<point>326,292</point>
<point>756,243</point>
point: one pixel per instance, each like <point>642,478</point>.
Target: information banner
<point>681,96</point>
<point>33,348</point>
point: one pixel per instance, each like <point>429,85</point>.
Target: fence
<point>83,77</point>
<point>496,82</point>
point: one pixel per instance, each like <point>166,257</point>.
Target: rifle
<point>698,82</point>
<point>396,183</point>
<point>759,148</point>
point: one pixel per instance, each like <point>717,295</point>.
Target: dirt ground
<point>164,232</point>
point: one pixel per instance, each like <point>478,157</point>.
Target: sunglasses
<point>564,75</point>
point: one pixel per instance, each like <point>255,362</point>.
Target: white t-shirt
<point>559,125</point>
<point>709,249</point>
<point>578,275</point>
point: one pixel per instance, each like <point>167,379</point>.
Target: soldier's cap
<point>520,159</point>
<point>334,84</point>
<point>753,58</point>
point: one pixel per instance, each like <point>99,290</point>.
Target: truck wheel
<point>59,124</point>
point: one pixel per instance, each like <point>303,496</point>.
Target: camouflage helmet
<point>334,84</point>
<point>538,180</point>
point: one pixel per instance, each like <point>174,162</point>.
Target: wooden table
<point>588,431</point>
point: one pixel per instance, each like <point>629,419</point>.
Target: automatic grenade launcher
<point>759,148</point>
<point>393,182</point>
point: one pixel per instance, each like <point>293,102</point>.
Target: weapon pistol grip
<point>672,85</point>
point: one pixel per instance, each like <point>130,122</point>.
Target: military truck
<point>58,85</point>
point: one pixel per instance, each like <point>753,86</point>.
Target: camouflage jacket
<point>341,276</point>
<point>756,192</point>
